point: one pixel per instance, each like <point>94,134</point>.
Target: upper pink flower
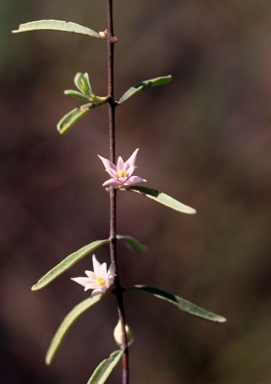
<point>121,174</point>
<point>99,279</point>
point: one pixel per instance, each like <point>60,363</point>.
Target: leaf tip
<point>193,211</point>
<point>48,360</point>
<point>60,130</point>
<point>34,287</point>
<point>221,319</point>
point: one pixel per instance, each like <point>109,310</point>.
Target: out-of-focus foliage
<point>204,138</point>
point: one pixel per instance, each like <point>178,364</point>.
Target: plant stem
<point>113,193</point>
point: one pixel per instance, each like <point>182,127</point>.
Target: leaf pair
<point>86,94</point>
<point>74,257</point>
<point>78,310</point>
<point>129,241</point>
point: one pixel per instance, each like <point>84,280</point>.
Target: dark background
<point>204,139</point>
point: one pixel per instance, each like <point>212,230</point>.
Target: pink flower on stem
<point>121,174</point>
<point>99,279</point>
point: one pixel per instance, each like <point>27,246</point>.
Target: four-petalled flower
<point>99,279</point>
<point>121,174</point>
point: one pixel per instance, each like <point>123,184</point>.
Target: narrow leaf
<point>88,81</point>
<point>83,84</point>
<point>100,101</point>
<point>67,263</point>
<point>56,25</point>
<point>144,85</point>
<point>73,116</point>
<point>104,369</point>
<point>131,242</point>
<point>67,323</point>
<point>70,119</point>
<point>182,304</point>
<point>79,95</point>
<point>162,198</point>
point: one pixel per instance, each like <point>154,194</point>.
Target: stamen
<point>121,173</point>
<point>100,281</point>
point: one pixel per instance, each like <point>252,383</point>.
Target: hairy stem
<point>113,193</point>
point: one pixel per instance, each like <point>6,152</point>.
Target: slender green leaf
<point>93,105</point>
<point>104,369</point>
<point>79,95</point>
<point>70,119</point>
<point>81,80</point>
<point>73,116</point>
<point>144,85</point>
<point>131,242</point>
<point>162,198</point>
<point>56,25</point>
<point>67,263</point>
<point>182,304</point>
<point>67,323</point>
<point>88,82</point>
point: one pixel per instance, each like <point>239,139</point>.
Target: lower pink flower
<point>99,279</point>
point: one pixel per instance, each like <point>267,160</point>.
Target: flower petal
<point>132,159</point>
<point>81,280</point>
<point>112,183</point>
<point>109,166</point>
<point>85,282</point>
<point>129,170</point>
<point>97,291</point>
<point>120,164</point>
<point>96,265</point>
<point>103,271</point>
<point>90,286</point>
<point>134,180</point>
<point>111,275</point>
<point>91,275</point>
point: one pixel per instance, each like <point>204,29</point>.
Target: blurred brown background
<point>204,138</point>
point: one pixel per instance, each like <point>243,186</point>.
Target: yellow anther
<point>122,173</point>
<point>100,281</point>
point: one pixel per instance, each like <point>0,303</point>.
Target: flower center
<point>100,281</point>
<point>121,173</point>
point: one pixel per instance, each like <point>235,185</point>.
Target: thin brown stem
<point>113,193</point>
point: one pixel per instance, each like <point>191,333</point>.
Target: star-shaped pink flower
<point>121,174</point>
<point>99,279</point>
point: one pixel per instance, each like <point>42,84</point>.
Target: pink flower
<point>99,279</point>
<point>121,174</point>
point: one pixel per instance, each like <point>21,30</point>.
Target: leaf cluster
<point>81,80</point>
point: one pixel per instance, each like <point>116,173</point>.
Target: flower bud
<point>118,334</point>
